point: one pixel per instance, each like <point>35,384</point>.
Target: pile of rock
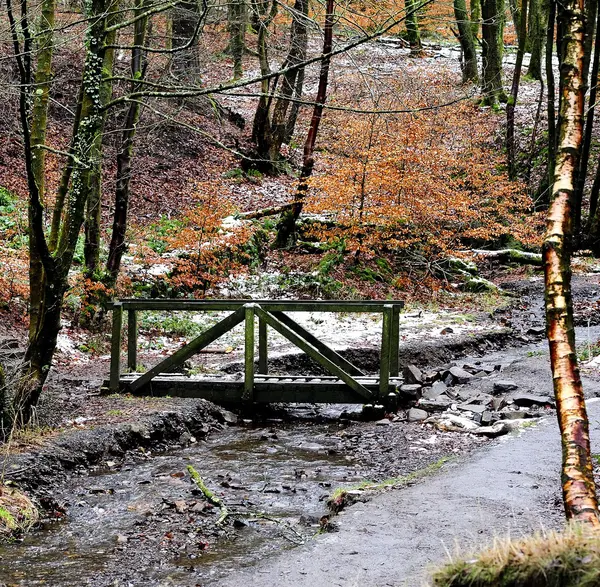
<point>469,397</point>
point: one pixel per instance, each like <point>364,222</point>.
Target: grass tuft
<point>547,559</point>
<point>17,513</point>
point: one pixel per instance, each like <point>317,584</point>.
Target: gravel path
<point>394,539</point>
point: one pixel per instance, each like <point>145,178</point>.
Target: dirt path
<point>511,487</point>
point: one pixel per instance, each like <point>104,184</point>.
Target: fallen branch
<point>209,495</point>
<point>263,212</point>
<point>511,256</point>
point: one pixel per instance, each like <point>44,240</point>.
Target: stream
<point>126,526</point>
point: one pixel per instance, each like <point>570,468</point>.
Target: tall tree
<point>286,229</point>
<point>579,491</point>
<point>412,27</point>
<point>467,42</point>
<point>492,32</point>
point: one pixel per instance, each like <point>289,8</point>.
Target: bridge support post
<point>249,353</point>
<point>132,338</point>
<point>115,348</point>
<point>263,358</point>
<point>386,350</point>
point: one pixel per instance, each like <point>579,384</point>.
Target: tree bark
<point>412,28</point>
<point>514,92</point>
<point>579,491</point>
<point>117,243</point>
<point>237,19</point>
<point>492,28</point>
<point>286,229</point>
<point>467,43</point>
<point>537,38</point>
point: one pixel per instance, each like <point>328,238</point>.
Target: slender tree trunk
<point>579,491</point>
<point>92,227</point>
<point>537,37</point>
<point>412,28</point>
<point>515,12</point>
<point>237,18</point>
<point>39,123</point>
<point>286,230</point>
<point>124,157</point>
<point>587,136</point>
<point>514,92</point>
<point>492,12</point>
<point>467,43</point>
<point>475,18</point>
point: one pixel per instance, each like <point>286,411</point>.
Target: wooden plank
<point>384,366</point>
<point>249,310</point>
<point>115,347</point>
<point>263,359</point>
<point>319,345</point>
<point>313,353</point>
<point>184,353</point>
<point>269,305</point>
<point>132,340</point>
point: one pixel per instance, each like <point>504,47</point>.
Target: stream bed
<point>143,521</point>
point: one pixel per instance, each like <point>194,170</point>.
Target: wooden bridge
<point>345,383</point>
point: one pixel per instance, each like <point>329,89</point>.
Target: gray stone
<point>458,375</point>
<point>416,415</point>
<point>411,389</point>
<point>412,374</point>
<point>383,422</point>
<point>487,418</point>
<point>498,429</point>
<point>475,408</point>
<point>435,390</point>
<point>438,404</point>
<point>498,403</point>
<point>229,418</point>
<point>527,400</point>
<point>503,386</point>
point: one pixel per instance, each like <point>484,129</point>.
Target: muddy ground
<point>122,510</point>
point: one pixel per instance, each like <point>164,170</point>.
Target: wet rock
<point>438,404</point>
<point>456,375</point>
<point>528,400</point>
<point>446,330</point>
<point>122,539</point>
<point>498,429</point>
<point>504,386</point>
<point>383,422</point>
<point>498,403</point>
<point>475,408</point>
<point>239,523</point>
<point>437,389</point>
<point>487,418</point>
<point>273,489</point>
<point>181,506</point>
<point>432,376</point>
<point>410,391</point>
<point>452,422</point>
<point>229,418</point>
<point>412,374</point>
<point>536,331</point>
<point>416,415</point>
<point>373,412</point>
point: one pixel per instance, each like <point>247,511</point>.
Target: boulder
<point>435,390</point>
<point>416,415</point>
<point>439,404</point>
<point>528,400</point>
<point>456,375</point>
<point>504,386</point>
<point>412,374</point>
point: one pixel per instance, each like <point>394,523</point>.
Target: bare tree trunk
<point>467,43</point>
<point>412,28</point>
<point>124,157</point>
<point>286,229</point>
<point>492,28</point>
<point>237,17</point>
<point>514,92</point>
<point>579,491</point>
<point>475,6</point>
<point>537,38</point>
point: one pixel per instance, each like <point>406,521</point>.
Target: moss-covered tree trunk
<point>537,38</point>
<point>492,31</point>
<point>39,123</point>
<point>237,21</point>
<point>475,16</point>
<point>467,42</point>
<point>579,491</point>
<point>42,342</point>
<point>412,27</point>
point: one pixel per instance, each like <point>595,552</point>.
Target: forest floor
<point>111,470</point>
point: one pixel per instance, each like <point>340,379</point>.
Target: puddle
<point>125,520</point>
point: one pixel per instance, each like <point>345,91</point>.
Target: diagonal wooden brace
<point>190,349</point>
<point>313,353</point>
<point>319,345</point>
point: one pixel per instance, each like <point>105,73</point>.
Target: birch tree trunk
<point>579,491</point>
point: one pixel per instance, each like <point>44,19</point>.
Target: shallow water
<point>283,473</point>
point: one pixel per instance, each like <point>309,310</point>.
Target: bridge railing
<point>270,313</point>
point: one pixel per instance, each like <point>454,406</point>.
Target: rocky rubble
<point>469,397</point>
